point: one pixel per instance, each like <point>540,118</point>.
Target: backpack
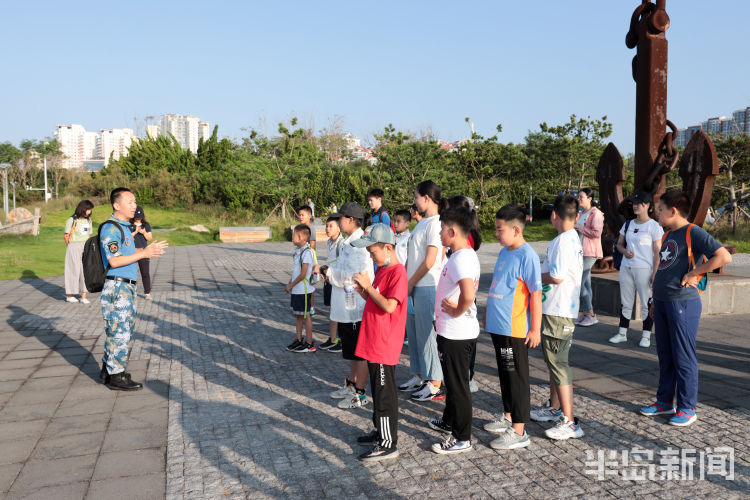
<point>94,272</point>
<point>616,255</point>
<point>703,281</point>
<point>379,214</point>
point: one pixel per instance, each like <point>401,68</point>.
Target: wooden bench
<point>244,234</point>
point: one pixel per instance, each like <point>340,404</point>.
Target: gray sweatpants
<point>74,282</point>
<point>632,280</point>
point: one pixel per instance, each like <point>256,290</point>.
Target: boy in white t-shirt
<point>457,329</point>
<point>561,279</point>
<point>401,221</point>
<point>334,242</point>
<point>300,289</point>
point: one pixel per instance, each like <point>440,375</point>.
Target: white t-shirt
<point>402,246</point>
<point>640,240</point>
<point>306,258</point>
<point>351,261</point>
<point>425,234</point>
<point>564,261</point>
<point>461,264</point>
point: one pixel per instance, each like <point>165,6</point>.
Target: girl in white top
<point>425,253</point>
<point>639,246</point>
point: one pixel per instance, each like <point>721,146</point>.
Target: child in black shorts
<point>300,289</point>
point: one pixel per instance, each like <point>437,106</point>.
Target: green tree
<point>733,153</point>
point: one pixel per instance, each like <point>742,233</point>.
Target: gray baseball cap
<point>377,233</point>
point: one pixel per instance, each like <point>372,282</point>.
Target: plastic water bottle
<point>350,303</point>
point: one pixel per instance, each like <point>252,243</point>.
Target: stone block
<point>244,234</point>
<point>722,297</point>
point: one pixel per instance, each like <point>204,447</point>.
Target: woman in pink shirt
<point>589,226</point>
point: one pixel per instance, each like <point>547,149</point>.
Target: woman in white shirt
<point>423,266</point>
<point>639,243</point>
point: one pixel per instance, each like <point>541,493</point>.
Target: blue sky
<point>415,64</point>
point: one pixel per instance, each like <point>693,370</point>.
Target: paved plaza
<point>227,413</point>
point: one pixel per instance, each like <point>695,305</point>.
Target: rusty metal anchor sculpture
<point>655,153</point>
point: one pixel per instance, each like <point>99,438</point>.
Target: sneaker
<point>336,347</point>
<point>588,321</point>
<point>498,426</point>
<point>120,382</point>
<point>565,429</point>
<point>645,341</point>
<point>510,440</point>
<point>325,345</point>
<point>619,338</point>
<point>370,439</point>
<point>579,318</point>
<point>425,388</point>
<point>356,401</point>
<point>450,446</point>
<point>85,301</point>
<point>406,341</point>
<point>438,425</point>
<point>657,408</point>
<point>72,300</point>
<point>473,387</point>
<point>345,392</point>
<point>431,393</point>
<point>683,417</point>
<point>304,347</point>
<point>294,345</point>
<point>545,413</point>
<point>413,383</point>
<point>378,453</point>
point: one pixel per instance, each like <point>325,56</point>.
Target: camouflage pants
<point>118,310</point>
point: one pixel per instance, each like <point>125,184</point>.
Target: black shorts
<point>302,304</point>
<point>327,288</point>
<point>349,335</point>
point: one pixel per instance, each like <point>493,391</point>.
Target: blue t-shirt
<point>382,217</point>
<point>112,245</point>
<point>516,276</point>
<point>674,263</point>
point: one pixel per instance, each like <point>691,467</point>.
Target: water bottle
<point>350,302</point>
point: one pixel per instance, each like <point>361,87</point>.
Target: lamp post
<point>13,184</point>
<point>5,167</point>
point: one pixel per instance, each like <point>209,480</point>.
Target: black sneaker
<point>119,382</point>
<point>378,453</point>
<point>370,439</point>
<point>336,347</point>
<point>304,347</point>
<point>293,345</point>
<point>440,426</point>
<point>325,345</point>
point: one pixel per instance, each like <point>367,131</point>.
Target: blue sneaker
<point>683,417</point>
<point>657,408</point>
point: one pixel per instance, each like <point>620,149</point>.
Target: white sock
<point>623,331</point>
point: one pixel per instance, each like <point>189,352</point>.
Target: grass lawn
<point>26,256</point>
<point>539,230</point>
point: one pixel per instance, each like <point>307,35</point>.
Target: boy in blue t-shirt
<point>514,318</point>
<point>677,307</point>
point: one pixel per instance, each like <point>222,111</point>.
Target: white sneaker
<point>588,321</point>
<point>413,383</point>
<point>343,393</point>
<point>645,341</point>
<point>427,389</point>
<point>356,401</point>
<point>72,300</point>
<point>498,426</point>
<point>85,301</point>
<point>579,318</point>
<point>619,338</point>
<point>473,387</point>
<point>564,429</point>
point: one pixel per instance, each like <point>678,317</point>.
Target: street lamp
<point>5,167</point>
<point>13,184</point>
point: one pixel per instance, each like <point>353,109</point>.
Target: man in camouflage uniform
<point>120,258</point>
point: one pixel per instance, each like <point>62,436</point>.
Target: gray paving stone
<point>129,463</point>
<point>142,488</point>
<point>53,446</point>
<point>16,450</point>
<point>37,474</point>
<point>8,474</point>
<point>71,491</point>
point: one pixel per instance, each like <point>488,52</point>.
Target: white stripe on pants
<point>630,281</point>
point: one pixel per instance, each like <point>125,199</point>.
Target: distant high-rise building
<point>114,142</point>
<point>152,131</point>
<point>738,123</point>
<point>186,129</point>
<point>74,143</point>
<point>203,131</point>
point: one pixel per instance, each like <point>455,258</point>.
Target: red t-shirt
<point>381,335</point>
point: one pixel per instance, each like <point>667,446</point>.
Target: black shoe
<point>370,439</point>
<point>378,453</point>
<point>304,347</point>
<point>120,382</point>
<point>293,345</point>
<point>104,376</point>
<point>336,347</point>
<point>440,426</point>
<point>325,345</point>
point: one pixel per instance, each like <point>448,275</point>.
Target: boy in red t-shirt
<point>381,337</point>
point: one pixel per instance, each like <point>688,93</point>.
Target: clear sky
<point>416,64</point>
